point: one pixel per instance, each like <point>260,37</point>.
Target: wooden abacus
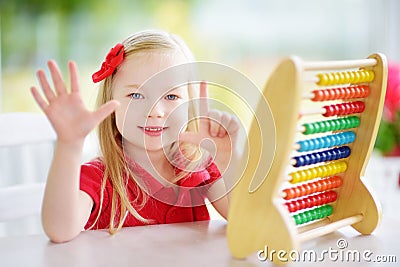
<point>314,183</point>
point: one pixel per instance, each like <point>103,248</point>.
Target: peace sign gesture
<point>221,128</point>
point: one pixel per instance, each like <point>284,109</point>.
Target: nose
<point>157,111</point>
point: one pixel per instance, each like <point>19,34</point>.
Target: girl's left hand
<point>221,128</point>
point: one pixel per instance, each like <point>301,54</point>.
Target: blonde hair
<point>116,169</point>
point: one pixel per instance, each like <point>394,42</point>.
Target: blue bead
<point>303,146</point>
<point>317,157</point>
<point>299,161</point>
<point>313,159</point>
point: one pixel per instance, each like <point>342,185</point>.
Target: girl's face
<point>150,117</point>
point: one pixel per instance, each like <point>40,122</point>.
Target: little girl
<point>151,169</point>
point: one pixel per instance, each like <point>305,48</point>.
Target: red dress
<point>164,205</point>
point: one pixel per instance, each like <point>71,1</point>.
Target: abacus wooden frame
<point>257,217</point>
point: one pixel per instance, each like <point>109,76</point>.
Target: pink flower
<point>392,99</point>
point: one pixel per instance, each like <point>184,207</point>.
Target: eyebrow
<point>132,86</point>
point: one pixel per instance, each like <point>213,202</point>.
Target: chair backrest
<point>26,149</point>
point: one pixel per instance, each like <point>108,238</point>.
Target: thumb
<point>105,110</point>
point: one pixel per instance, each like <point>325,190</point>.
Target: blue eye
<point>171,97</point>
<point>136,96</point>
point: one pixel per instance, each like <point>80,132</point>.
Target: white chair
<point>26,149</point>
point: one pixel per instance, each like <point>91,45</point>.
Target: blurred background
<point>247,35</point>
<point>250,36</point>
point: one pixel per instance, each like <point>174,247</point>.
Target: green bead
<point>309,216</point>
<point>334,125</point>
<point>329,210</point>
<point>309,128</point>
<point>297,219</point>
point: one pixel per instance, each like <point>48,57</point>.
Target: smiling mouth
<point>153,130</point>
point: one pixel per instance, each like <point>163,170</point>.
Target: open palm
<point>66,111</point>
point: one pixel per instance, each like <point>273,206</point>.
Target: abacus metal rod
<point>340,64</point>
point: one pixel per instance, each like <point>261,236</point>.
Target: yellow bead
<point>308,174</point>
<point>342,78</point>
<point>371,76</point>
<point>331,169</point>
<point>295,177</point>
<point>367,76</point>
<point>319,171</point>
<point>343,166</point>
<point>356,77</point>
<point>323,79</point>
<point>363,76</point>
<point>314,172</point>
<point>336,78</point>
<point>346,77</point>
<point>352,76</point>
<point>331,79</point>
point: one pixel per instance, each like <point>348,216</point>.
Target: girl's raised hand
<point>221,128</point>
<point>66,111</point>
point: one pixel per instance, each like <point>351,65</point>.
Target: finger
<point>214,125</point>
<point>44,84</point>
<point>73,72</point>
<point>105,110</point>
<point>57,78</point>
<point>204,106</point>
<point>225,119</point>
<point>233,126</point>
<point>39,99</point>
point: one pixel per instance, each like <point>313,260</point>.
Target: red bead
<point>289,193</point>
<point>352,92</point>
<point>291,206</point>
<point>333,196</point>
<point>358,92</point>
<point>338,181</point>
<point>318,95</point>
<point>313,187</point>
<point>303,191</point>
<point>339,93</point>
<point>367,90</point>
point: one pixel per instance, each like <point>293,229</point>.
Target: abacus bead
<point>290,206</point>
<point>309,128</point>
<point>333,196</point>
<point>356,77</point>
<point>313,187</point>
<point>323,79</point>
<point>296,192</point>
<point>363,76</point>
<point>346,77</point>
<point>371,75</point>
<point>288,193</point>
<point>329,210</point>
<point>297,219</point>
<point>342,78</point>
<point>296,177</point>
<point>351,75</point>
<point>338,181</point>
<point>331,78</point>
<point>367,90</point>
<point>303,217</point>
<point>318,95</point>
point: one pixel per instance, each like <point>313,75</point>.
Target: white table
<point>184,244</point>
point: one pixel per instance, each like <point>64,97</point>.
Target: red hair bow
<point>113,59</point>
